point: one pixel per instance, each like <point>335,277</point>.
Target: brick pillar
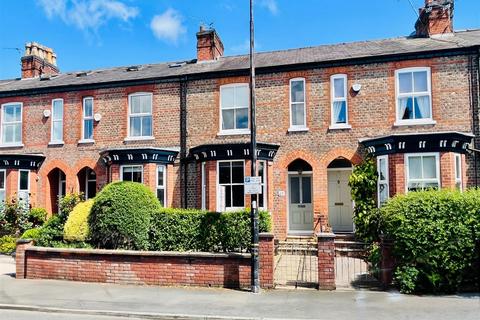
<point>266,255</point>
<point>387,262</point>
<point>20,262</point>
<point>326,261</point>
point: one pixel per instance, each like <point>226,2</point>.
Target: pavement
<point>80,300</point>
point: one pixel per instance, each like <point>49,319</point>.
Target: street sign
<point>253,185</point>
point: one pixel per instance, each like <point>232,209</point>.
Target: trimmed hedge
<point>76,228</point>
<point>33,234</point>
<point>120,216</point>
<point>8,244</point>
<point>436,239</point>
<point>195,230</point>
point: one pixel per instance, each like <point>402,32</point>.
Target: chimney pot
<point>38,60</point>
<point>209,44</point>
<point>435,18</point>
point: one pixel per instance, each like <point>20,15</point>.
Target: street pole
<point>255,282</point>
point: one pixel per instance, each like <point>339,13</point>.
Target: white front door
<point>300,217</point>
<point>340,205</point>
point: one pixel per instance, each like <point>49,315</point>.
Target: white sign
<point>253,185</point>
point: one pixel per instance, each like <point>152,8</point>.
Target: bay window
<point>140,115</point>
<point>414,97</point>
<point>458,172</point>
<point>339,107</point>
<point>57,121</point>
<point>297,104</point>
<point>3,183</point>
<point>132,173</point>
<point>231,185</point>
<point>262,173</point>
<point>11,124</point>
<point>161,181</point>
<point>422,171</point>
<point>234,102</point>
<point>382,182</point>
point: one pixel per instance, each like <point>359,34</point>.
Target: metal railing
<point>296,264</point>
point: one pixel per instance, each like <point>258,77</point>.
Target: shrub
<point>120,216</point>
<point>37,216</point>
<point>7,244</point>
<point>435,234</point>
<point>15,217</point>
<point>51,233</point>
<point>195,230</point>
<point>32,234</point>
<point>67,203</point>
<point>76,227</point>
<point>363,185</point>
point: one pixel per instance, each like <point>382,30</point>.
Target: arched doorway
<point>58,187</point>
<point>87,182</point>
<point>300,208</point>
<point>340,205</point>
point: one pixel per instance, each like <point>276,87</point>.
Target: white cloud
<point>270,5</point>
<point>168,26</point>
<point>88,15</point>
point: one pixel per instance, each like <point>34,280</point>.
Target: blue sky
<point>90,34</point>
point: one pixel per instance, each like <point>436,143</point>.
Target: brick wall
<point>144,267</point>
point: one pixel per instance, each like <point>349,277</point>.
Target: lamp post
<point>255,282</point>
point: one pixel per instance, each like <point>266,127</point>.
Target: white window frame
<point>4,189</point>
<point>386,181</point>
<point>458,175</point>
<point>233,131</point>
<point>264,185</point>
<point>204,186</point>
<point>61,180</point>
<point>87,118</point>
<point>220,205</point>
<point>164,187</point>
<point>426,154</point>
<point>398,95</point>
<point>28,184</point>
<point>53,120</point>
<point>129,165</point>
<point>2,123</point>
<point>136,94</point>
<point>333,124</point>
<point>292,126</point>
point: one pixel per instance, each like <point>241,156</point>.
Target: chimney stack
<point>209,45</point>
<point>436,18</point>
<point>38,60</point>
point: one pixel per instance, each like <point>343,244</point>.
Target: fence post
<point>387,261</point>
<point>266,254</point>
<point>326,261</point>
<point>20,261</point>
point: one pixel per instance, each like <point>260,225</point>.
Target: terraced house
<point>182,128</point>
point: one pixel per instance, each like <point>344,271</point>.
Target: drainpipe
<point>183,141</point>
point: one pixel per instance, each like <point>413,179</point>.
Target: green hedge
<point>120,216</point>
<point>7,244</point>
<point>436,239</point>
<point>195,230</point>
<point>76,228</point>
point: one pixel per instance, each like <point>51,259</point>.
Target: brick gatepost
<point>22,245</point>
<point>387,262</point>
<point>326,261</point>
<point>266,252</point>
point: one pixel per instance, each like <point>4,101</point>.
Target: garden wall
<point>144,267</point>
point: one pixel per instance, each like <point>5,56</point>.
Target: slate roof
<point>309,55</point>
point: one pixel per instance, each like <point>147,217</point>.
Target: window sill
<point>12,145</point>
<point>86,141</point>
<point>297,129</point>
<point>340,127</point>
<point>139,138</point>
<point>56,143</point>
<point>233,132</point>
<point>400,123</point>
